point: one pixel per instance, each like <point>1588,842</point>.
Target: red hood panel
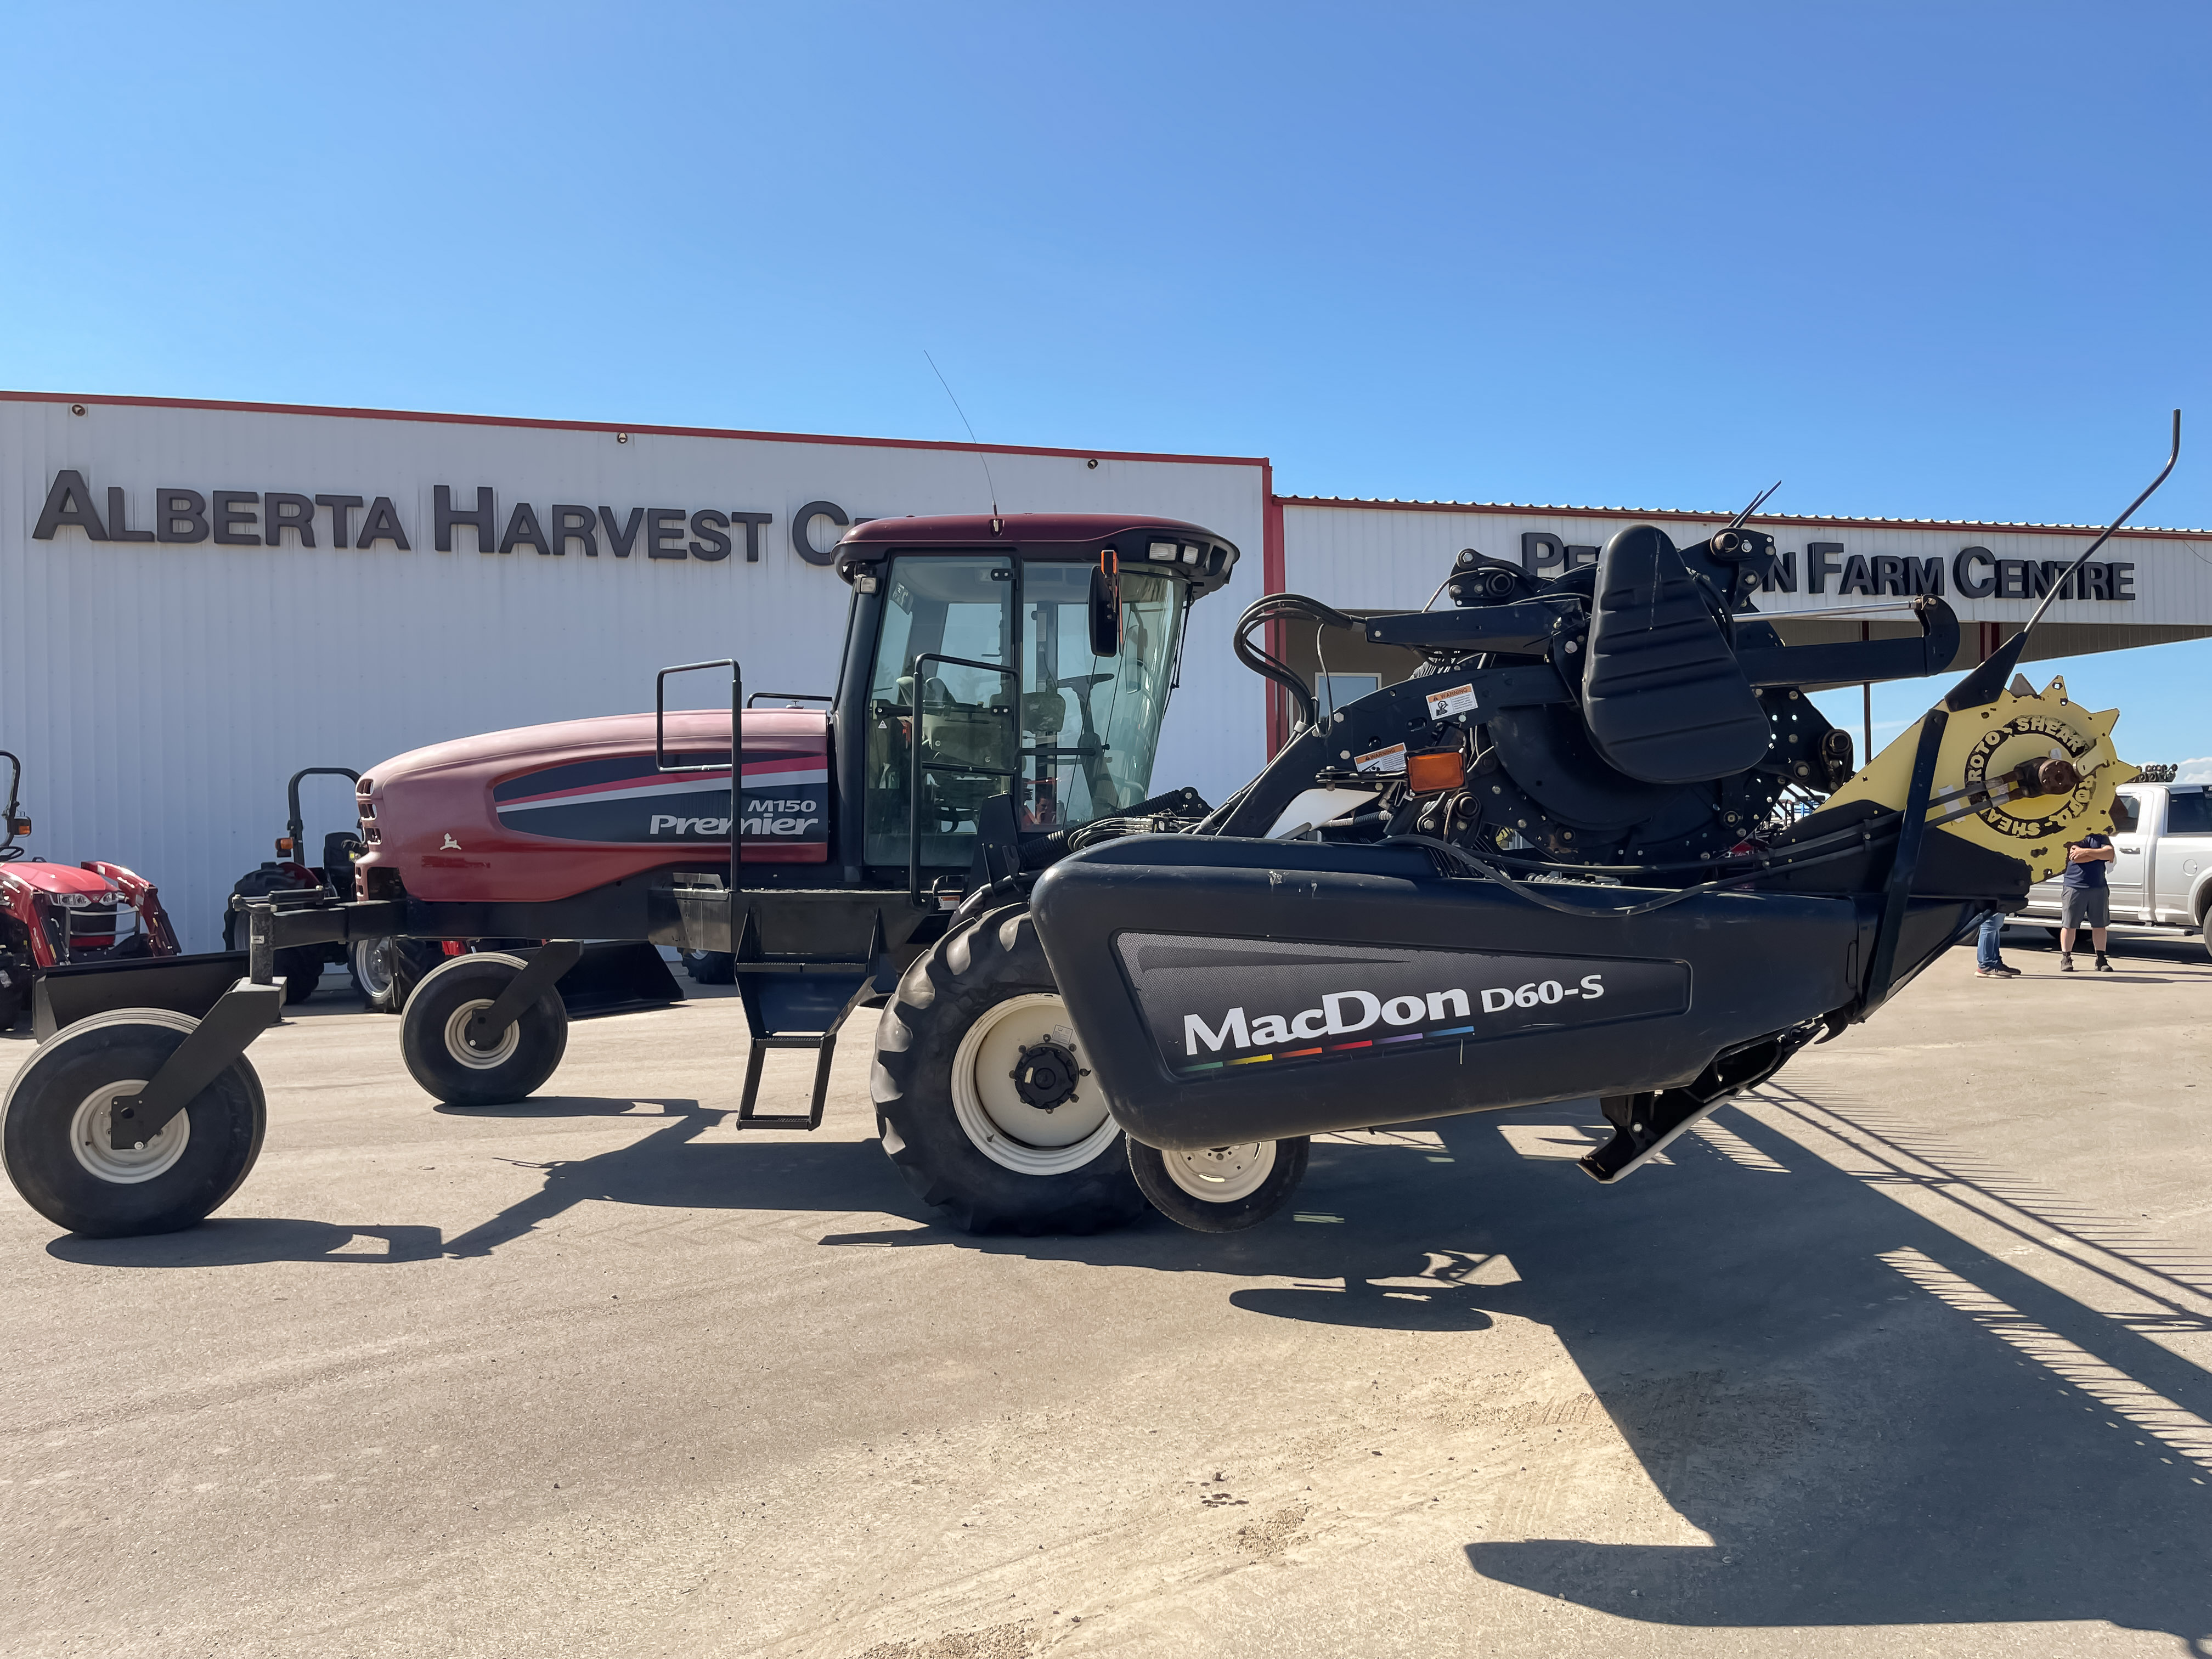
<point>60,878</point>
<point>544,813</point>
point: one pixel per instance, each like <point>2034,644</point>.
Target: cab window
<point>960,607</point>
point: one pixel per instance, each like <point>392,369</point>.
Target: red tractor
<point>58,916</point>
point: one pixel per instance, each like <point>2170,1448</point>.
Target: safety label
<point>1458,700</point>
<point>1392,759</point>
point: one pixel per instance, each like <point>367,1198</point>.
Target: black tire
<point>976,992</point>
<point>1261,1179</point>
<point>301,967</point>
<point>190,1167</point>
<point>11,1006</point>
<point>710,967</point>
<point>437,1012</point>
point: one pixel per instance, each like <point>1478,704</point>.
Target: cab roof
<point>1203,559</point>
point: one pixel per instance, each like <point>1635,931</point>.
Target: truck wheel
<point>301,967</point>
<point>982,1096</point>
<point>1221,1190</point>
<point>54,1129</point>
<point>432,1040</point>
<point>710,967</point>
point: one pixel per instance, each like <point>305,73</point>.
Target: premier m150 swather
<point>1601,843</point>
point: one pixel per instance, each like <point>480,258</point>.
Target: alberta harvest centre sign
<point>278,518</point>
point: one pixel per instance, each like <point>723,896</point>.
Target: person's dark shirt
<point>2087,875</point>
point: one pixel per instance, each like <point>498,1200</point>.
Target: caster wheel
<point>434,1033</point>
<point>55,1130</point>
<point>1221,1190</point>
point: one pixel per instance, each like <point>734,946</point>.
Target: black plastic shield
<point>1232,991</point>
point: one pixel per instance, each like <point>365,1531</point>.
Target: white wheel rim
<point>124,1166</point>
<point>1222,1174</point>
<point>372,966</point>
<point>478,1060</point>
<point>1002,1126</point>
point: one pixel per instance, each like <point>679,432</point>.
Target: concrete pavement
<point>1908,1355</point>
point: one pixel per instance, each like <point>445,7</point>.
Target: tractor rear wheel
<point>434,1033</point>
<point>982,1097</point>
<point>710,967</point>
<point>55,1123</point>
<point>301,967</point>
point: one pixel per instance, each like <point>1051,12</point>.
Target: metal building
<point>198,599</point>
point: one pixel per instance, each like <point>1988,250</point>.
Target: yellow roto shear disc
<point>1981,750</point>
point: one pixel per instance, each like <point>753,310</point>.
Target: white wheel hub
<point>1004,1127</point>
<point>1222,1174</point>
<point>479,1059</point>
<point>371,965</point>
<point>126,1166</point>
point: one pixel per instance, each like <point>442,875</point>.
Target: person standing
<point>1988,963</point>
<point>2086,898</point>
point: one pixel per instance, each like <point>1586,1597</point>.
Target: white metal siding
<point>1383,557</point>
<point>161,693</point>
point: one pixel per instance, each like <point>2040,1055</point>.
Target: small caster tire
<point>1221,1190</point>
<point>55,1122</point>
<point>433,1030</point>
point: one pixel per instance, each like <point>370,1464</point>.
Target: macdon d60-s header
<point>1600,843</point>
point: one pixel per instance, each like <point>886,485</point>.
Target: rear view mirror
<point>1106,606</point>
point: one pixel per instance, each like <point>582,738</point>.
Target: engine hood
<point>60,879</point>
<point>543,812</point>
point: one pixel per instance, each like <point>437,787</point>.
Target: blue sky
<point>1943,260</point>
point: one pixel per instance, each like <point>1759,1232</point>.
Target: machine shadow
<point>666,1170</point>
<point>247,1240</point>
<point>1875,1421</point>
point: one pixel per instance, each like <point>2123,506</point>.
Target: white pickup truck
<point>2161,873</point>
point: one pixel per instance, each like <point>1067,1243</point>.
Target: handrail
<point>295,827</point>
<point>916,770</point>
<point>736,763</point>
<point>794,696</point>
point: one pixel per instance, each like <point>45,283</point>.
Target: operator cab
<point>1029,654</point>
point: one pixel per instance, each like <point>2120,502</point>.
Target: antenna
<point>1757,501</point>
<point>1985,682</point>
<point>972,438</point>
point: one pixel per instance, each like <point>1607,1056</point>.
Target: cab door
<point>941,696</point>
<point>2135,827</point>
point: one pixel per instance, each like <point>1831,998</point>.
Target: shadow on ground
<point>242,1241</point>
<point>1875,1422</point>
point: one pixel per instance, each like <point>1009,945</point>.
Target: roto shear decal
<point>1213,1003</point>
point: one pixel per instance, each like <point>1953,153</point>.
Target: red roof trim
<point>616,426</point>
<point>1672,516</point>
